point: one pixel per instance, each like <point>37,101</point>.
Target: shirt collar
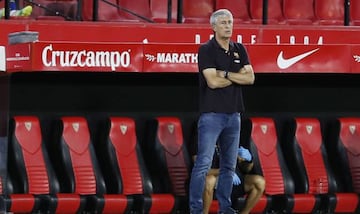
<point>216,44</point>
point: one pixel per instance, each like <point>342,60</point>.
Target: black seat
<point>168,159</point>
<point>343,146</point>
<point>269,162</point>
<point>124,168</point>
<point>34,185</point>
<point>75,158</point>
<point>305,151</point>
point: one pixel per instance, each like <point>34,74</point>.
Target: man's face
<point>223,27</point>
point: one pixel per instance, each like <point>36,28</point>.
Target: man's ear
<point>213,27</point>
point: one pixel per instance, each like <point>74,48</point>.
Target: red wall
<point>178,33</point>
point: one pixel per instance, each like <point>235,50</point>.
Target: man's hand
<point>244,153</point>
<point>236,179</point>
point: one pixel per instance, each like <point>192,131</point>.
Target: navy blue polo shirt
<point>221,100</point>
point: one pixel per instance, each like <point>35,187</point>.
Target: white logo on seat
<point>123,129</point>
<point>309,129</point>
<point>264,128</point>
<point>171,128</point>
<point>28,125</point>
<point>76,126</point>
<point>352,129</point>
<point>286,63</point>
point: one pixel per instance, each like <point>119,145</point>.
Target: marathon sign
<point>165,57</point>
<point>170,58</point>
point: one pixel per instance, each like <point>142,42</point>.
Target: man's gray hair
<point>221,12</point>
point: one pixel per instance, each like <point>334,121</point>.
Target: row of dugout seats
<point>297,12</point>
<point>293,12</point>
<point>109,170</point>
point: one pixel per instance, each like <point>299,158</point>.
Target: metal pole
<point>95,10</point>
<point>179,11</point>
<point>346,12</point>
<point>79,10</point>
<point>265,12</point>
<point>7,11</point>
<point>169,15</point>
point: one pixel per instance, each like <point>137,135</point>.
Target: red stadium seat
<point>123,166</point>
<point>275,14</point>
<point>35,186</point>
<point>168,159</point>
<point>299,12</point>
<point>269,162</point>
<point>198,11</point>
<point>355,12</point>
<point>305,151</point>
<point>106,12</point>
<point>74,157</point>
<point>239,9</point>
<point>159,11</point>
<point>329,12</point>
<point>343,145</point>
<point>135,10</point>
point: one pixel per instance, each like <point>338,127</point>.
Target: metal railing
<point>169,13</point>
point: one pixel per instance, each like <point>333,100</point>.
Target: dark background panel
<point>66,92</point>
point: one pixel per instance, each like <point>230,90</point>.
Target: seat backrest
<point>306,153</point>
<point>28,160</point>
<point>159,10</point>
<point>343,144</point>
<point>121,157</point>
<point>311,158</point>
<point>81,173</point>
<point>275,14</point>
<point>172,165</point>
<point>267,155</point>
<point>135,10</point>
<point>198,11</point>
<point>239,9</point>
<point>269,161</point>
<point>329,12</point>
<point>124,167</point>
<point>76,159</point>
<point>355,12</point>
<point>29,168</point>
<point>106,11</point>
<point>299,11</point>
<point>64,9</point>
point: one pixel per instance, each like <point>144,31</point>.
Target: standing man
<point>223,66</point>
